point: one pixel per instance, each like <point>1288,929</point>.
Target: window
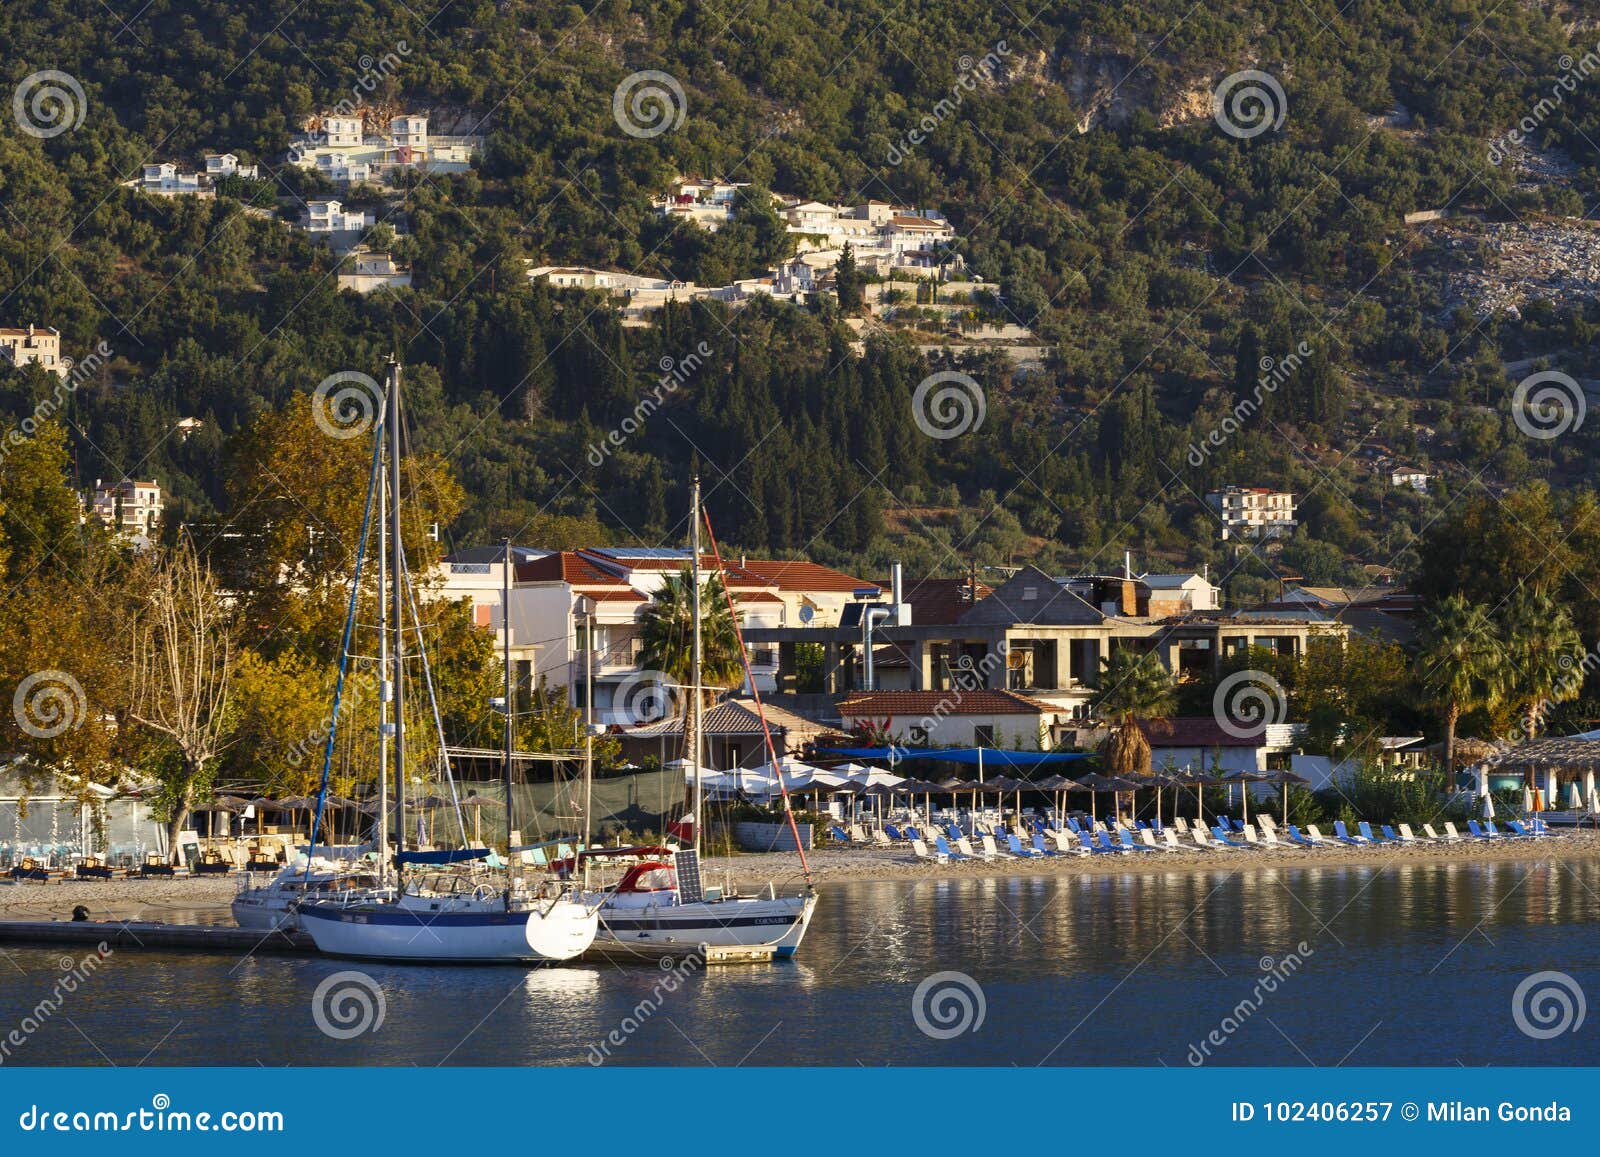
<point>983,735</point>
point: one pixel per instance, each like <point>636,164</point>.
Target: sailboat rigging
<point>450,918</point>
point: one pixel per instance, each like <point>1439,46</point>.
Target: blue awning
<point>446,856</point>
<point>971,756</point>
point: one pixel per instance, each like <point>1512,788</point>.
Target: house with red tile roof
<point>960,716</point>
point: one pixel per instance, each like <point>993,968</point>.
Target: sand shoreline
<point>182,899</point>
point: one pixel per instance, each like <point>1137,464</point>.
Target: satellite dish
<point>807,614</point>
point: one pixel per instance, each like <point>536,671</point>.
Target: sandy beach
<point>207,898</point>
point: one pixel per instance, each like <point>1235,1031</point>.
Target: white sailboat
<point>450,919</point>
<point>661,903</point>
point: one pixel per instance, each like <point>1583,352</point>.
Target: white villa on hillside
<point>341,148</point>
<point>129,508</point>
<point>708,204</point>
<point>370,271</point>
<point>1253,512</point>
<point>33,347</point>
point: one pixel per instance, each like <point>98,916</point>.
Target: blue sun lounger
<point>1016,848</point>
<point>1342,834</point>
<point>1127,840</point>
<point>1366,833</point>
<point>1479,833</point>
<point>1296,838</point>
<point>1220,834</point>
<point>1041,848</point>
<point>942,846</point>
<point>1390,834</point>
<point>1103,844</point>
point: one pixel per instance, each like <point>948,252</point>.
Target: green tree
<point>1459,665</point>
<point>667,635</point>
<point>1134,686</point>
<point>1542,656</point>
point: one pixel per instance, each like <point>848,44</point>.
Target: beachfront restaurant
<point>1556,775</point>
<point>57,821</point>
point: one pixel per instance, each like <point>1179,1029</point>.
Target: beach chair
<point>1390,834</point>
<point>836,833</point>
<point>1299,840</point>
<point>989,851</point>
<point>1269,839</point>
<point>1041,848</point>
<point>921,849</point>
<point>858,834</point>
<point>1238,827</point>
<point>1225,839</point>
<point>1521,831</point>
<point>1020,850</point>
<point>964,846</point>
<point>1406,836</point>
<point>1181,824</point>
<point>943,848</point>
<point>1169,839</point>
<point>893,832</point>
<point>1126,839</point>
<point>1101,845</point>
<point>954,832</point>
<point>880,839</point>
<point>1450,832</point>
<point>1147,839</point>
<point>1342,834</point>
<point>1268,824</point>
<point>1366,832</point>
<point>1311,837</point>
<point>1517,832</point>
<point>1203,839</point>
<point>1477,832</point>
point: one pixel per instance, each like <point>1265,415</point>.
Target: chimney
<point>896,584</point>
<point>1127,564</point>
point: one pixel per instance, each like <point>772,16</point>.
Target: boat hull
<point>553,933</point>
<point>780,922</point>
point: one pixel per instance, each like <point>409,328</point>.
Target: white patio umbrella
<point>1574,797</point>
<point>1488,807</point>
<point>1527,801</point>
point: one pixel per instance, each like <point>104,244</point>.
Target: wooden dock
<point>134,936</point>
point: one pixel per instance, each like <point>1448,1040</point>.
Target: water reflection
<point>1406,964</point>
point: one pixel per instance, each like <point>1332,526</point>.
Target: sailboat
<point>661,903</point>
<point>451,918</point>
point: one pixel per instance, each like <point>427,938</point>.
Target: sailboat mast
<point>385,684</point>
<point>397,609</point>
<point>695,654</point>
<point>505,651</point>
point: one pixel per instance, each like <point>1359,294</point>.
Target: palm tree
<point>1543,653</point>
<point>667,634</point>
<point>1459,665</point>
<point>1134,686</point>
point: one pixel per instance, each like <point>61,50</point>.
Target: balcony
<point>608,658</point>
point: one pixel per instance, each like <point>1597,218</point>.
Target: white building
<point>219,165</point>
<point>130,509</point>
<point>371,271</point>
<point>331,217</point>
<point>1410,476</point>
<point>164,180</point>
<point>339,167</point>
<point>1178,594</point>
<point>1253,512</point>
<point>975,717</point>
<point>410,133</point>
<point>343,132</point>
<point>33,347</point>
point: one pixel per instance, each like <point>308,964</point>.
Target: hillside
<point>1172,266</point>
